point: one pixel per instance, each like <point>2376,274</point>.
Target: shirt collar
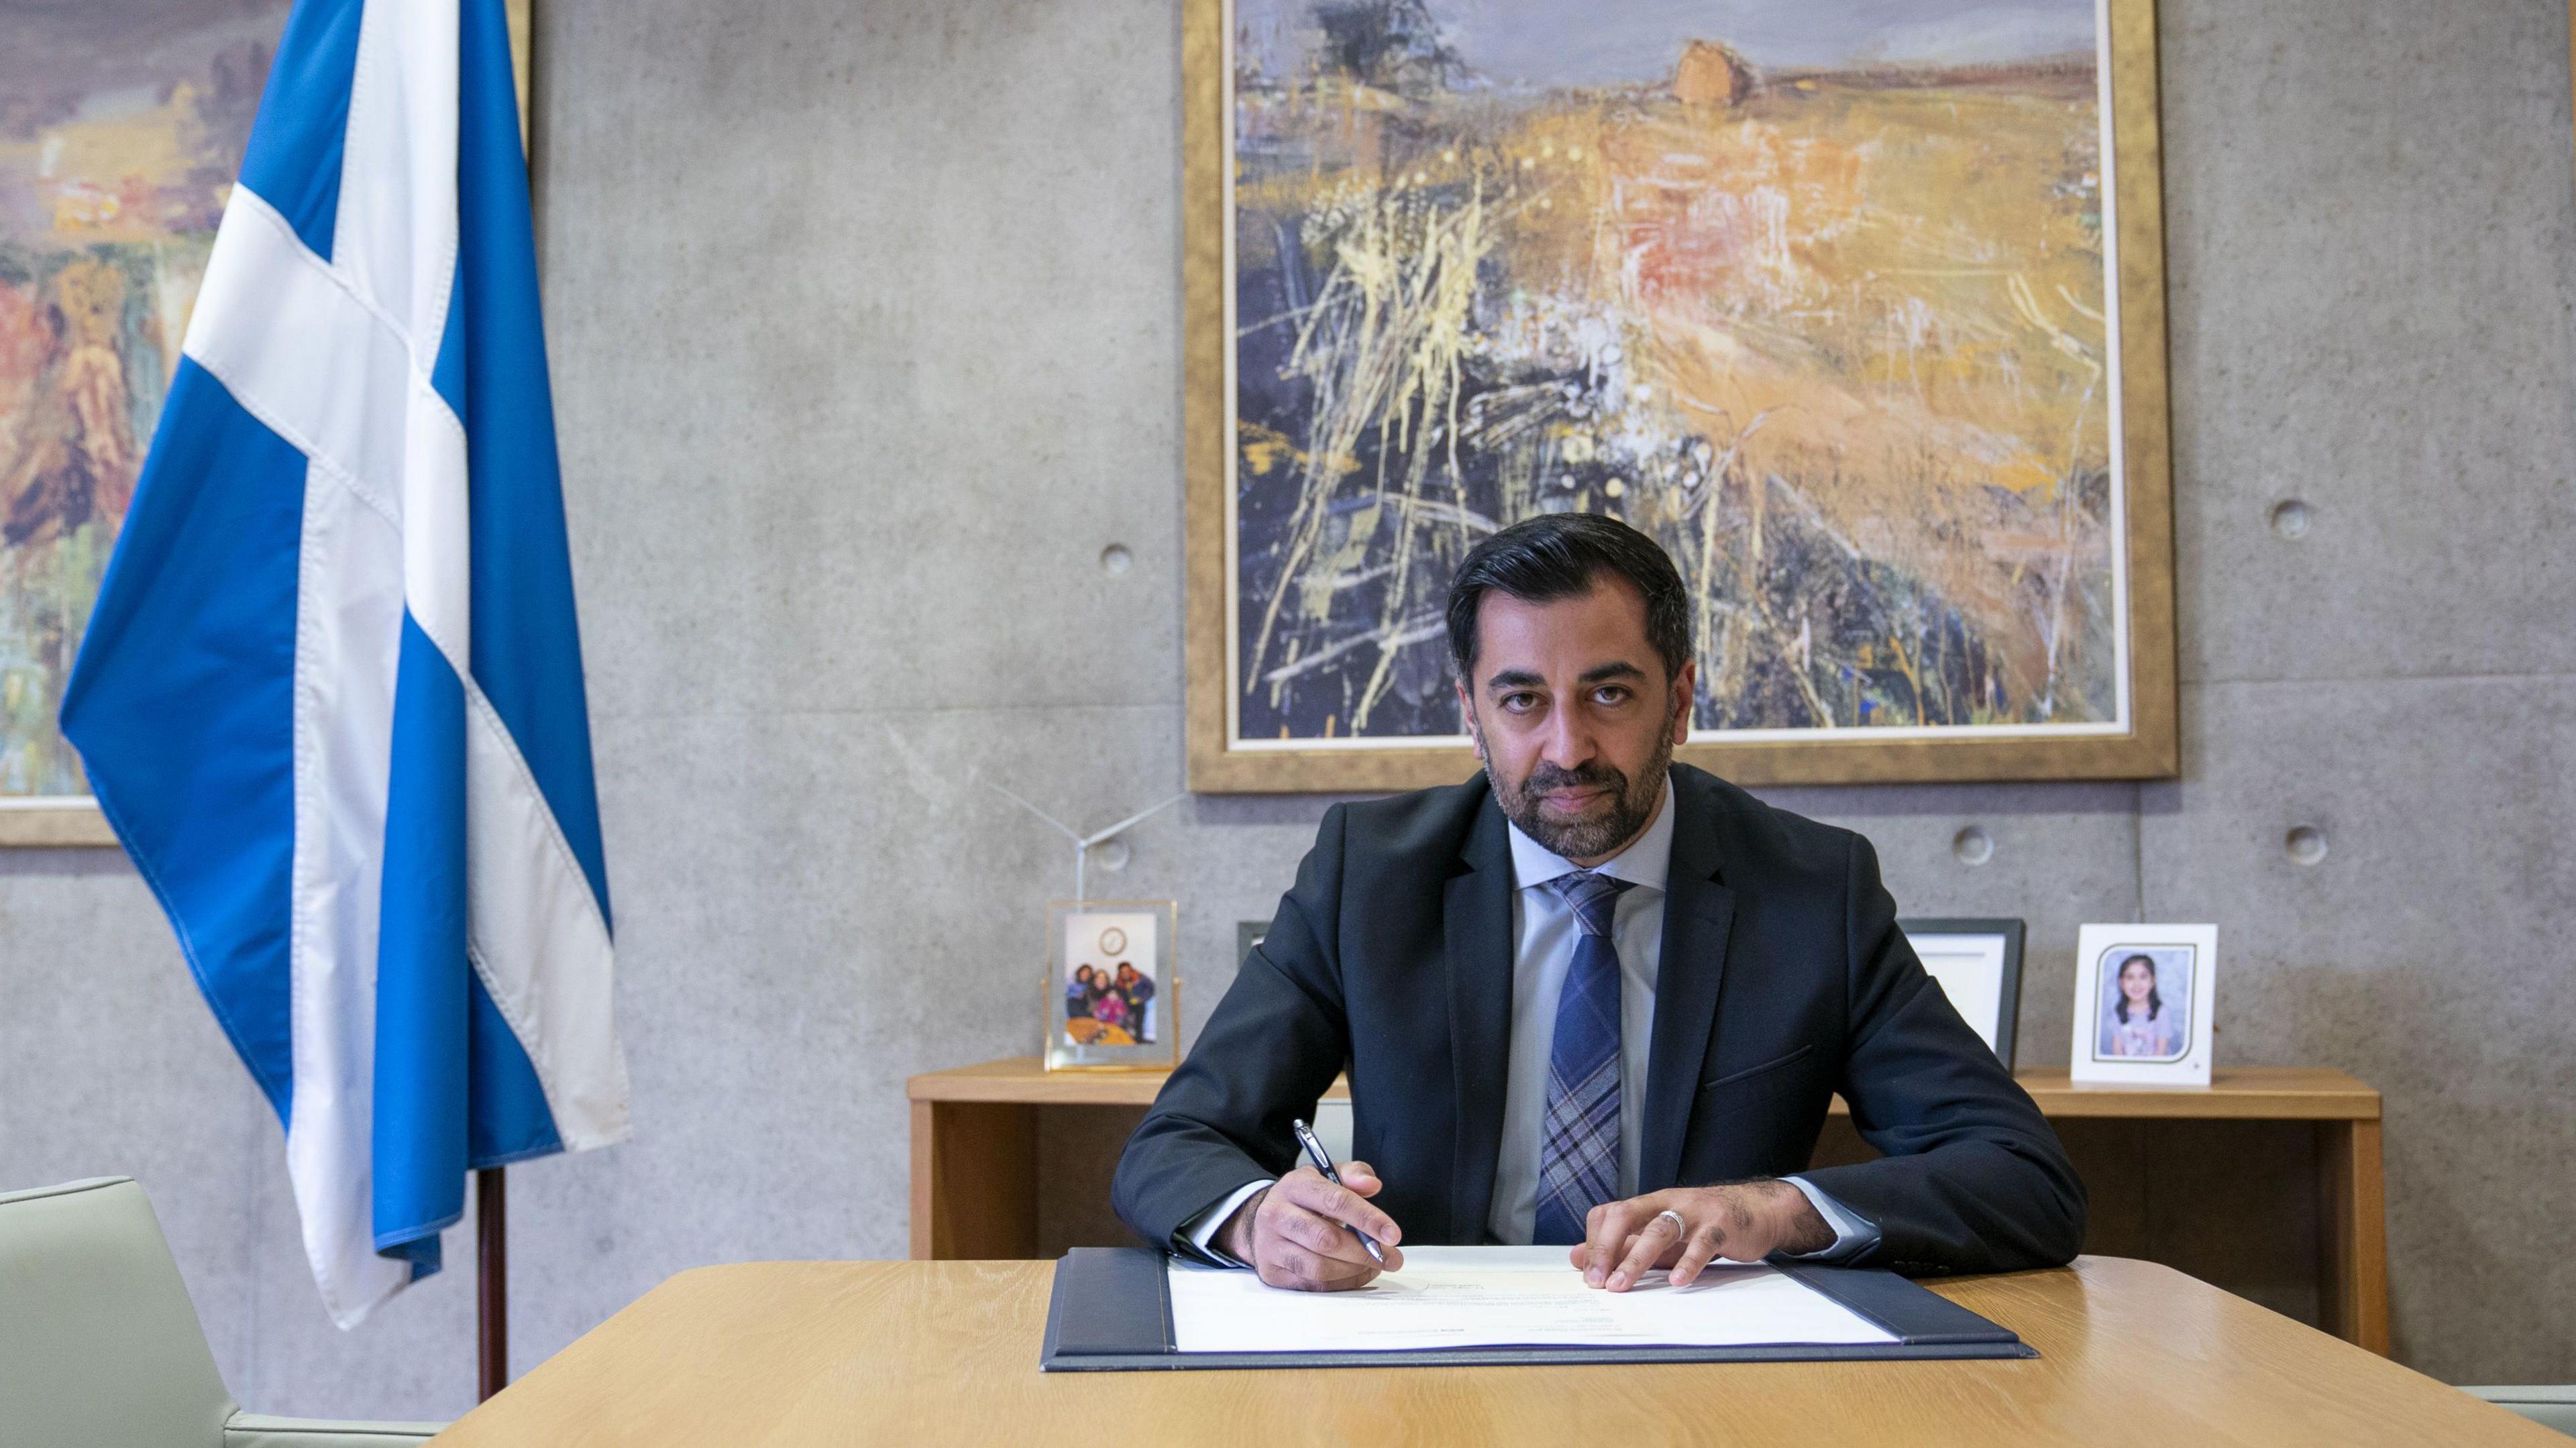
<point>1646,863</point>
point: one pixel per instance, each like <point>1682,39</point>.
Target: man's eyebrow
<point>1598,673</point>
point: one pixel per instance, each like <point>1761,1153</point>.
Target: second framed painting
<point>126,127</point>
<point>1858,310</point>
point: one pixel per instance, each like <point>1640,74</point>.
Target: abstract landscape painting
<point>122,124</point>
<point>1822,297</point>
<point>121,128</point>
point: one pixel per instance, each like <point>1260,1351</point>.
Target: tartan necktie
<point>1578,1161</point>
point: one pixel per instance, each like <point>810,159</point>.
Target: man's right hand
<point>1292,1234</point>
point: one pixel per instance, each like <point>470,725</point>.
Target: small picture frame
<point>2143,1002</point>
<point>1978,964</point>
<point>1112,993</point>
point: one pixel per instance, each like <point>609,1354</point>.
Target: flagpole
<point>491,1212</point>
<point>492,1280</point>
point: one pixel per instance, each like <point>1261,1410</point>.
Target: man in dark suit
<point>1591,997</point>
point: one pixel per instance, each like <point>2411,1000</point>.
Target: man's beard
<point>1632,804</point>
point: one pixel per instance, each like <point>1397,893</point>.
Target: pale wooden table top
<point>791,1353</point>
<point>2268,1093</point>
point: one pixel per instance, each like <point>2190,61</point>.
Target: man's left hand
<point>1742,1221</point>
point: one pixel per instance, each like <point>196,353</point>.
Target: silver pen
<point>1324,1163</point>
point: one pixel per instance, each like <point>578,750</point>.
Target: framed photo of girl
<point>2143,1002</point>
<point>1111,990</point>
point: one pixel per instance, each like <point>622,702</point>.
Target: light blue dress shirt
<point>1543,934</point>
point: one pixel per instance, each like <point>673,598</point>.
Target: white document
<point>1504,1296</point>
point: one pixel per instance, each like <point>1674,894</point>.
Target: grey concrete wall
<point>866,333</point>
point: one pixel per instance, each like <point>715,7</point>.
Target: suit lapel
<point>1698,913</point>
<point>1476,913</point>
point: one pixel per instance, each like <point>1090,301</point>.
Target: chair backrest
<point>2550,1407</point>
<point>98,1341</point>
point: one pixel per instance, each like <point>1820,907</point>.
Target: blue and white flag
<point>331,695</point>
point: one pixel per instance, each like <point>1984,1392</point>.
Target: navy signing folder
<point>1113,1310</point>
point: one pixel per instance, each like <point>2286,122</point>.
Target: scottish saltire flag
<point>331,696</point>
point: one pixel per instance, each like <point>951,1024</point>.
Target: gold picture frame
<point>43,821</point>
<point>2140,743</point>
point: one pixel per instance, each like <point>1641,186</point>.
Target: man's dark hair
<point>1559,555</point>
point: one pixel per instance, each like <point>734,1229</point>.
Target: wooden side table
<point>980,1184</point>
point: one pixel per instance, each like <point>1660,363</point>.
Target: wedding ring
<point>1680,1227</point>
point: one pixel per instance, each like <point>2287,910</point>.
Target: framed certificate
<point>1978,964</point>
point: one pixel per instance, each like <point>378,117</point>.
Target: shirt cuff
<point>1853,1234</point>
<point>1200,1231</point>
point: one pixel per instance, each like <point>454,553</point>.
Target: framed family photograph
<point>1111,988</point>
<point>1978,966</point>
<point>2143,1001</point>
<point>1857,310</point>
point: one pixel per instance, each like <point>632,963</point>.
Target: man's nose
<point>1568,744</point>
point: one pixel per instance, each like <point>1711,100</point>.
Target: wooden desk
<point>791,1353</point>
<point>981,1183</point>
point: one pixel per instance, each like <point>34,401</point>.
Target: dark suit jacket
<point>1784,979</point>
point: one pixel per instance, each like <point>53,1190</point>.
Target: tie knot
<point>1594,898</point>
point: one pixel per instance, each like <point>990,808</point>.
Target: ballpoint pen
<point>1324,1163</point>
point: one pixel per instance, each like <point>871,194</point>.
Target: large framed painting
<point>121,129</point>
<point>1858,309</point>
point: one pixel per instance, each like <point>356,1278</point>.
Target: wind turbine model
<point>1082,843</point>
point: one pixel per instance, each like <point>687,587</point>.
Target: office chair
<point>99,1344</point>
<point>2549,1407</point>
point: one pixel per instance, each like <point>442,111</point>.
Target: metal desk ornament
<point>1112,993</point>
